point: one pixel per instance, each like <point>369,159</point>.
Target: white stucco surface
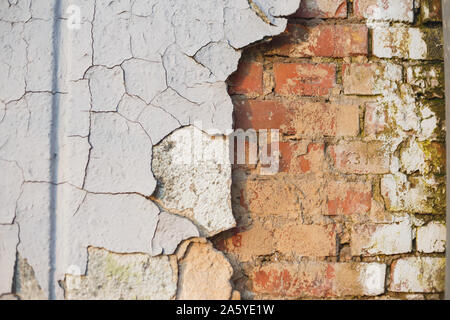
<point>88,89</point>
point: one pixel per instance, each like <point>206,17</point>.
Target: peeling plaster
<point>82,108</point>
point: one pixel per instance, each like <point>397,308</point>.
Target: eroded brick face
<point>361,155</point>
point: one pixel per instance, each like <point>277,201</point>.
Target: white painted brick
<point>418,274</point>
<point>407,43</point>
<point>372,239</point>
<point>385,10</point>
<point>431,237</point>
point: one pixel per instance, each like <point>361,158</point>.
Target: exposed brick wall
<point>357,207</point>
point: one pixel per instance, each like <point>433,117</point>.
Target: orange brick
<point>325,119</point>
<point>248,79</point>
<point>360,157</point>
<point>304,79</point>
<point>287,197</point>
<point>348,198</point>
<point>295,161</point>
<point>321,41</point>
<point>248,242</point>
<point>305,240</point>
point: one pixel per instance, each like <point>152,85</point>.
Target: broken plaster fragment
<point>113,276</point>
<point>9,238</point>
<point>171,230</point>
<point>220,58</point>
<point>194,174</point>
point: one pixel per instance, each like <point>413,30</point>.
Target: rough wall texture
<point>358,207</point>
<point>101,102</point>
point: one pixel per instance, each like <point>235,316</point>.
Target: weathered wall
<point>109,111</point>
<point>358,207</point>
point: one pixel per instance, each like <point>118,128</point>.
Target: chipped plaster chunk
<point>120,160</point>
<point>194,174</point>
<point>144,79</point>
<point>10,186</point>
<point>170,232</point>
<point>106,86</point>
<point>203,281</point>
<point>26,286</point>
<point>113,276</point>
<point>220,58</point>
<point>9,238</point>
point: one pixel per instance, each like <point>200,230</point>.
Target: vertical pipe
<point>54,144</point>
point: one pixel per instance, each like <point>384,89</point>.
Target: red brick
<point>322,9</point>
<point>262,114</point>
<point>431,10</point>
<point>248,79</point>
<point>304,79</point>
<point>360,157</point>
<point>321,41</point>
<point>301,118</point>
<point>348,198</point>
<point>319,279</point>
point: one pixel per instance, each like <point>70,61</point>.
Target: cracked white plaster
<point>120,159</point>
<point>107,87</point>
<point>145,79</point>
<point>11,187</point>
<point>123,223</point>
<point>13,60</point>
<point>82,108</point>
